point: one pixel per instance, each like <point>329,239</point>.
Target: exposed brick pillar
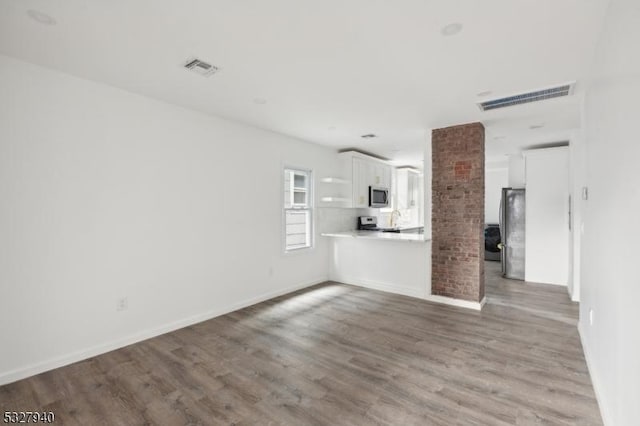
<point>458,212</point>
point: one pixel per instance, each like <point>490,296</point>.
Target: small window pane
<point>288,189</point>
<point>299,197</point>
<point>300,180</point>
<point>297,229</point>
<point>297,206</point>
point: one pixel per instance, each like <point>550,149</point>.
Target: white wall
<point>106,194</point>
<point>547,216</point>
<point>494,180</point>
<point>516,171</point>
<point>577,181</point>
<point>610,257</point>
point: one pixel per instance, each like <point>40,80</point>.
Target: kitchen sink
<point>410,230</point>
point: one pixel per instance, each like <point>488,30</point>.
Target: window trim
<point>310,208</point>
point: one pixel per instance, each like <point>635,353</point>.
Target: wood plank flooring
<point>336,354</point>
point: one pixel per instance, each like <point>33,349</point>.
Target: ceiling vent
<point>201,67</point>
<point>525,98</point>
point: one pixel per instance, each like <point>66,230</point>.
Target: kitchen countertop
<point>376,235</point>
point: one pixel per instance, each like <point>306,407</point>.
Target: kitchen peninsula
<point>395,257</point>
<point>388,261</point>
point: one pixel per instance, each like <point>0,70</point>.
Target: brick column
<point>458,212</point>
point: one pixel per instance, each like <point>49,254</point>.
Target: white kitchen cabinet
<point>379,174</point>
<point>388,176</point>
<point>407,189</point>
<point>366,171</point>
<point>414,190</point>
<point>362,174</point>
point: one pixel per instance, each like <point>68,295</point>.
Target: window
<point>297,209</point>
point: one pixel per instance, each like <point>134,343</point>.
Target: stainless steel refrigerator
<point>512,226</point>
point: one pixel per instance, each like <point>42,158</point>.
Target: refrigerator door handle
<point>500,215</point>
<point>503,266</point>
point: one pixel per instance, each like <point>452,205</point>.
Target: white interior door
<point>547,216</point>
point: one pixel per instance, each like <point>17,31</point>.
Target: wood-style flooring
<point>335,354</point>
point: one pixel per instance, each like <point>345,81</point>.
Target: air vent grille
<point>525,98</point>
<point>200,67</point>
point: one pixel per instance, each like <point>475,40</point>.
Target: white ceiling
<point>330,70</point>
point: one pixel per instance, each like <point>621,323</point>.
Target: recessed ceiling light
<point>451,29</point>
<point>331,128</point>
<point>40,17</point>
<point>536,126</point>
<point>369,136</point>
<point>485,93</point>
<point>260,101</point>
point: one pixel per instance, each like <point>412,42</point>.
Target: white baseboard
<point>410,291</point>
<point>457,302</point>
<point>382,286</point>
<point>606,419</point>
<point>536,281</point>
<point>31,370</point>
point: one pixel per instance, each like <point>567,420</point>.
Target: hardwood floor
<point>337,354</point>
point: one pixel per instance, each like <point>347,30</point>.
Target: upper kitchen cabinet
<point>366,172</point>
<point>407,188</point>
<point>379,174</point>
<point>348,185</point>
<point>361,176</point>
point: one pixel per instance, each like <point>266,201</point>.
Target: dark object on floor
<point>491,241</point>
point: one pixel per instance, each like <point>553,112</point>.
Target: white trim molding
<point>382,286</point>
<point>411,292</point>
<point>457,302</point>
<point>595,382</point>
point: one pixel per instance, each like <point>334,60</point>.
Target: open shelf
<point>335,180</point>
<point>334,200</point>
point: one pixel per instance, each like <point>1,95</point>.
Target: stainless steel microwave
<point>378,196</point>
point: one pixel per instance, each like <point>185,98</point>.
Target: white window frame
<point>310,207</point>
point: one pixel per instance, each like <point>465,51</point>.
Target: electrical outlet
<point>591,316</point>
<point>585,193</point>
<point>122,304</point>
<point>271,271</point>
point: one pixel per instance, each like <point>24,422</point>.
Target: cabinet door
<point>402,186</point>
<point>377,178</point>
<point>381,175</point>
<point>360,183</point>
<point>388,171</point>
<point>414,186</point>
